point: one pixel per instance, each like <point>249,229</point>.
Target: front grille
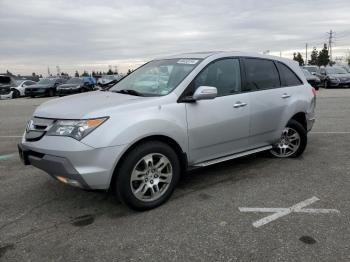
<point>4,91</point>
<point>37,127</point>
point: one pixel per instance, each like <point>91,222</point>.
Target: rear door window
<point>288,77</point>
<point>261,74</point>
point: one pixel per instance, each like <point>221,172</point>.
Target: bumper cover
<point>65,157</point>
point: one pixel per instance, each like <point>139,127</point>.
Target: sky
<point>92,35</point>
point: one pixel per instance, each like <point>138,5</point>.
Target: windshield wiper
<point>129,92</point>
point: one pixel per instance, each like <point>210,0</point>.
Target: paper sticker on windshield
<point>187,61</point>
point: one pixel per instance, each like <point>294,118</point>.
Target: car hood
<point>5,86</point>
<point>312,77</point>
<point>87,105</point>
<point>341,75</point>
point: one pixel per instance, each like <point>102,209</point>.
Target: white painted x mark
<point>281,212</point>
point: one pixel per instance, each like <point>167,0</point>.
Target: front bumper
<point>6,96</point>
<point>339,83</point>
<point>71,161</point>
<point>36,92</point>
<point>68,91</point>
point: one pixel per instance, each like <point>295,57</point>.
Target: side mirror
<point>205,93</point>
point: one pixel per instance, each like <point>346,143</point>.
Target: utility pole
<point>330,42</point>
<point>306,54</point>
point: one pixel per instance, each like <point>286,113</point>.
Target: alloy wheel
<point>288,144</point>
<point>151,177</point>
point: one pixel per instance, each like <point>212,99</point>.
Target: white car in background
<point>20,87</point>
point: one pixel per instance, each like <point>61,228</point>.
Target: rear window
<point>261,74</point>
<point>288,77</point>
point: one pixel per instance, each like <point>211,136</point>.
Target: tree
<point>85,73</point>
<point>76,74</point>
<point>129,71</point>
<point>299,58</point>
<point>109,72</point>
<point>314,57</point>
<point>93,73</point>
<point>323,57</point>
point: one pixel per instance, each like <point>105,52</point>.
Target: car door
<point>267,100</point>
<point>220,126</point>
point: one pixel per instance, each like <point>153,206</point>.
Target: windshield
<point>45,81</point>
<point>18,82</point>
<point>335,70</point>
<point>307,73</point>
<point>74,81</point>
<point>158,77</point>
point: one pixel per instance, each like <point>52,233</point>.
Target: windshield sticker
<point>187,61</point>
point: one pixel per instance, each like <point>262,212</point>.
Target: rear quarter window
<point>288,77</point>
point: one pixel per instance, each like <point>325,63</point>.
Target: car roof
<point>219,54</point>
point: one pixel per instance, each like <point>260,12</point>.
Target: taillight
<point>314,92</point>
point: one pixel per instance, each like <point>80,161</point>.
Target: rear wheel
<point>148,175</point>
<point>292,142</point>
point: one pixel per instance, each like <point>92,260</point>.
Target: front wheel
<point>292,142</point>
<point>148,175</point>
<point>15,93</point>
<point>51,92</point>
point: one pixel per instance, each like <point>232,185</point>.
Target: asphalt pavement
<point>44,220</point>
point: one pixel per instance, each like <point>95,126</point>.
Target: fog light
<point>68,181</point>
<point>62,179</point>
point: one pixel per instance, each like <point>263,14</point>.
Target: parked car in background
<point>137,138</point>
<point>105,79</point>
<point>45,87</point>
<point>313,69</point>
<point>313,80</point>
<point>335,76</point>
<point>7,84</point>
<point>91,80</point>
<point>75,85</point>
<point>346,67</point>
<point>19,90</point>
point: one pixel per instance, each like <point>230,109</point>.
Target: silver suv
<point>171,114</point>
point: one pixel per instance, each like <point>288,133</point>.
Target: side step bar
<point>226,158</point>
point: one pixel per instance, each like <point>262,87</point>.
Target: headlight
<point>76,129</point>
<point>76,87</point>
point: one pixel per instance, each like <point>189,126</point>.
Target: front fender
<point>129,127</point>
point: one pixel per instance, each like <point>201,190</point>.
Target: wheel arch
<point>301,118</point>
<point>162,138</point>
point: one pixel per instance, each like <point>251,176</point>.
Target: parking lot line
<point>281,212</point>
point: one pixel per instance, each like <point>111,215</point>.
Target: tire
<point>326,85</point>
<point>15,93</point>
<point>51,93</point>
<point>292,143</point>
<point>134,175</point>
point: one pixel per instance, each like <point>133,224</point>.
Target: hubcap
<point>288,144</point>
<point>151,177</point>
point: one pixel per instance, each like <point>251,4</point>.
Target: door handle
<point>285,95</point>
<point>239,104</point>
